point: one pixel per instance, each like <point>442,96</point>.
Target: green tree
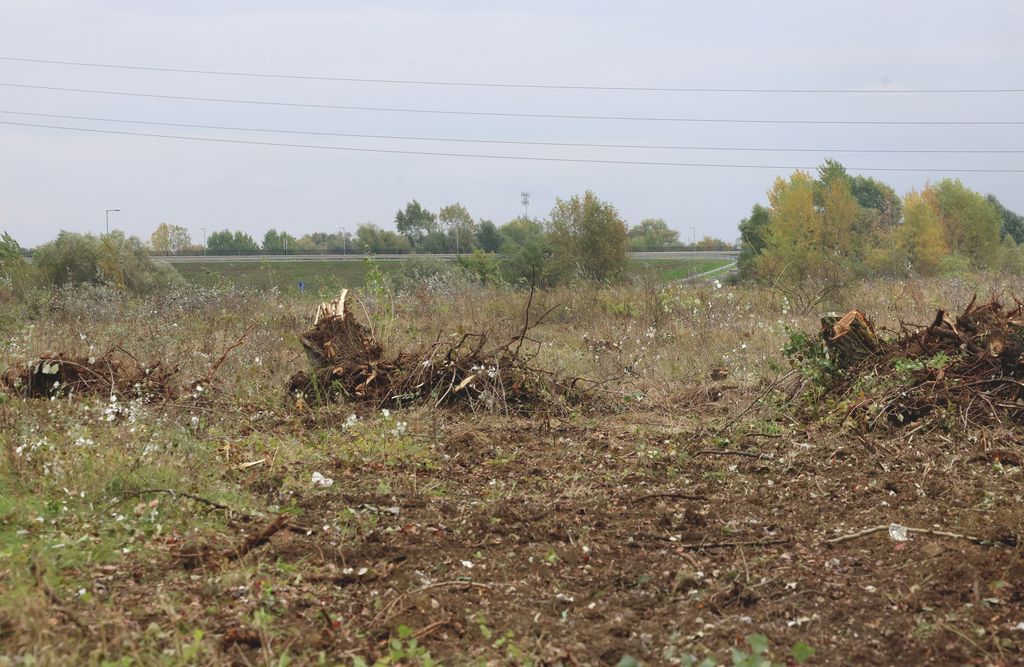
<point>226,242</point>
<point>753,231</point>
<point>459,226</point>
<point>1013,223</point>
<point>69,259</point>
<point>243,243</point>
<point>525,252</point>
<point>829,172</point>
<point>15,272</point>
<point>520,231</point>
<point>219,243</point>
<point>588,237</point>
<point>484,266</point>
<point>278,243</point>
<point>876,196</point>
<point>415,222</point>
<point>652,234</point>
<point>323,242</point>
<point>374,239</point>
<point>488,238</point>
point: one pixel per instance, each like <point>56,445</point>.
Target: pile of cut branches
<point>115,373</point>
<point>348,363</point>
<point>969,367</point>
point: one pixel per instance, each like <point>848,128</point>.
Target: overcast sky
<point>56,179</point>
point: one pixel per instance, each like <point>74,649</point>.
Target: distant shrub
<point>113,260</point>
<point>955,265</point>
<point>15,272</point>
<point>483,266</point>
<point>419,269</point>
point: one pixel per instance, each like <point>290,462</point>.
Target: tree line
<point>819,232</point>
<point>583,237</point>
<point>452,230</point>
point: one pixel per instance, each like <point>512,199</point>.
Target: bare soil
<point>583,540</point>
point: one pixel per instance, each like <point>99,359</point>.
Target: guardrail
<point>192,259</point>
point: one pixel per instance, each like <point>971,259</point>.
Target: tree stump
<point>850,339</point>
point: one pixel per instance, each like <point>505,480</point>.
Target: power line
<point>510,114</point>
<point>516,142</point>
<point>496,157</point>
<point>533,86</point>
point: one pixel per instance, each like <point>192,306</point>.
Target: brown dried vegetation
<point>970,366</point>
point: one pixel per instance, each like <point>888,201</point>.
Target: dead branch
<point>227,351</point>
<point>680,496</point>
<point>258,539</point>
<point>698,546</point>
<point>728,452</point>
<point>923,531</point>
<point>529,302</point>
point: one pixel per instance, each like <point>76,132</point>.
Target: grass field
<point>684,501</point>
<point>328,277</point>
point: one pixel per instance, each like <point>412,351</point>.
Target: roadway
<point>191,259</point>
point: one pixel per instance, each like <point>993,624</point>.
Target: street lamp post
<point>108,212</point>
<point>693,235</point>
<point>204,240</point>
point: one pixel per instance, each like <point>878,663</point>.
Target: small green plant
<point>403,649</point>
<point>755,655</point>
<point>810,356</point>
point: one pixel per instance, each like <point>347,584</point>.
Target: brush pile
<point>969,368</point>
<point>115,373</point>
<point>347,363</point>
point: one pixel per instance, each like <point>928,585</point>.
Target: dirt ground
<point>640,534</point>
<point>689,517</point>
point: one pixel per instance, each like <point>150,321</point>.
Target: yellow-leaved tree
<point>805,244</point>
<point>922,240</point>
<point>840,214</point>
<point>970,223</point>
